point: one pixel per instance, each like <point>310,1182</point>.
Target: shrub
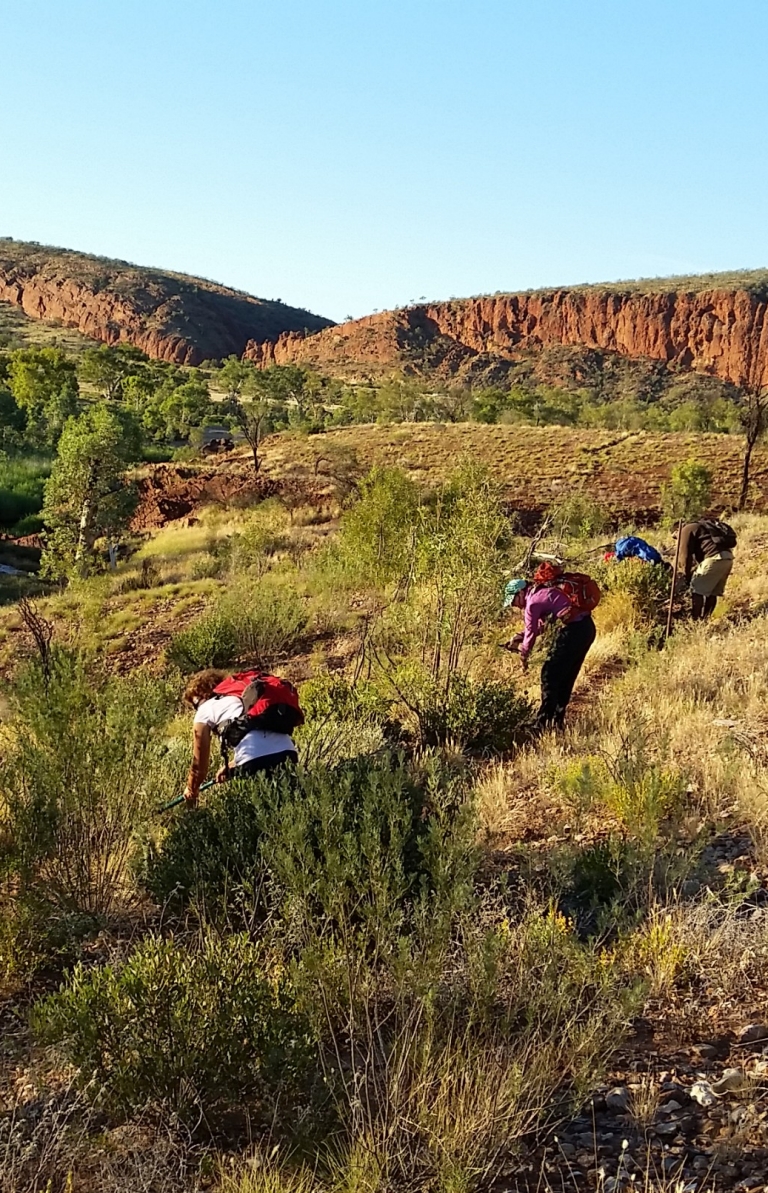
<point>378,531</point>
<point>84,766</point>
<point>689,492</point>
<point>486,715</point>
<point>257,623</point>
<point>645,585</point>
<point>359,842</point>
<point>578,516</point>
<point>196,1032</point>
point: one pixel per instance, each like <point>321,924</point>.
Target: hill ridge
<point>172,316</point>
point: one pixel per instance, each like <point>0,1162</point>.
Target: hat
<point>512,589</point>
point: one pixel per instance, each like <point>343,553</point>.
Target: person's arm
<point>531,627</point>
<point>201,756</point>
<point>686,559</point>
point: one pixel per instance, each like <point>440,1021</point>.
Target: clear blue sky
<point>349,155</point>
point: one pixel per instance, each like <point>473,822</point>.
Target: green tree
<point>174,410</point>
<point>106,368</point>
<point>87,496</point>
<point>43,382</point>
<point>13,421</point>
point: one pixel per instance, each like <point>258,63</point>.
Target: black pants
<point>561,667</point>
<point>264,765</point>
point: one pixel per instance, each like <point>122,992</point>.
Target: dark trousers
<point>561,667</point>
<point>264,765</point>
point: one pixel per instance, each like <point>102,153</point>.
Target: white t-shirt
<point>256,744</point>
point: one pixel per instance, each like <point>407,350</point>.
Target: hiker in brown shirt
<point>705,559</point>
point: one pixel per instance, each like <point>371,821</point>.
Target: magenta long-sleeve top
<point>542,605</point>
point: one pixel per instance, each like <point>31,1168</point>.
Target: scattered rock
<point>731,1082</point>
<point>755,1033</point>
<point>617,1099</point>
<point>706,1051</point>
<point>701,1092</point>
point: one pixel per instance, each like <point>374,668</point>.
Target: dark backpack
<point>269,703</point>
<point>718,535</point>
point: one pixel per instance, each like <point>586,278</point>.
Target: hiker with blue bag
<point>565,600</point>
<point>631,546</point>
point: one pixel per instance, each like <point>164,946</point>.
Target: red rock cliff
<point>722,332</point>
<point>169,316</point>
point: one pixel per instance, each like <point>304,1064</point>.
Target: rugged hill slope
<point>167,315</point>
<point>714,324</point>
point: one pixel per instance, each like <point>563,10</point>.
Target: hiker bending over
<point>542,605</point>
<point>631,546</point>
<point>238,709</point>
<point>705,559</point>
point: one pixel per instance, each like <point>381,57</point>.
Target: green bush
<point>378,532</point>
<point>256,623</point>
<point>84,764</point>
<point>689,492</point>
<point>196,1032</point>
<point>486,715</point>
<point>645,584</point>
<point>358,843</point>
<point>579,516</point>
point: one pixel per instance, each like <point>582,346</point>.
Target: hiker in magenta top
<point>543,605</point>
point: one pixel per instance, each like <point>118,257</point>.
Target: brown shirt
<point>696,545</point>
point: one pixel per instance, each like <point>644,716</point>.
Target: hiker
<point>705,558</point>
<point>631,546</point>
<point>251,713</point>
<point>543,604</point>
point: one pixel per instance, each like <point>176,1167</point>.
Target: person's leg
<point>697,606</point>
<point>561,669</point>
<point>581,635</point>
<point>709,606</point>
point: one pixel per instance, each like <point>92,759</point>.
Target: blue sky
<point>351,156</point>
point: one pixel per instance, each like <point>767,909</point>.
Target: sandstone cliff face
<point>169,316</point>
<point>722,332</point>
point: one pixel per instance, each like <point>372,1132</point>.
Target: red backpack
<point>269,703</point>
<point>582,591</point>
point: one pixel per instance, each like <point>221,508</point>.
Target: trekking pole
<point>674,581</point>
<point>174,803</point>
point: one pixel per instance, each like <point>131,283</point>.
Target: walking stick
<point>674,581</point>
<point>174,803</point>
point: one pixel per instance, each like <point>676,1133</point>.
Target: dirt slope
<point>715,326</point>
<point>167,315</point>
<point>539,465</point>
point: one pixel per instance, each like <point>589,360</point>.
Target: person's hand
<point>221,774</point>
<point>190,796</point>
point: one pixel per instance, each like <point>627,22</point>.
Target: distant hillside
<point>715,324</point>
<point>167,315</point>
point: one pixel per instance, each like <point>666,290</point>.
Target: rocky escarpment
<point>169,316</point>
<point>718,330</point>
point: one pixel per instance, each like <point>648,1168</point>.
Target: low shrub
<point>689,491</point>
<point>359,843</point>
<point>645,587</point>
<point>195,1032</point>
<point>480,715</point>
<point>257,623</point>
